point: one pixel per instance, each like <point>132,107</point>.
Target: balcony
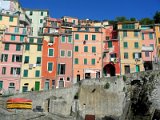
<point>67,24</point>
<point>68,32</point>
<point>24,18</point>
<point>147,49</point>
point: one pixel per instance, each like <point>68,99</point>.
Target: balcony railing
<point>24,18</point>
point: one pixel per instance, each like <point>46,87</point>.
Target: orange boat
<point>19,103</point>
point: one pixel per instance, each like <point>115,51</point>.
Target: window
<point>61,69</point>
<point>25,73</point>
<point>151,36</point>
<point>63,40</point>
<point>13,37</point>
<point>39,40</point>
<point>125,45</point>
<point>69,39</point>
<point>51,40</point>
<point>76,48</point>
<point>6,47</point>
<point>152,45</point>
<point>39,47</point>
<point>113,55</point>
<point>4,58</point>
<point>37,73</point>
<point>31,40</point>
<point>125,55</point>
<point>50,66</point>
<point>31,13</point>
<point>146,54</point>
<point>16,58</point>
<point>10,19</point>
<point>142,36</point>
<point>41,20</point>
<point>137,55</point>
<point>109,44</point>
<point>27,47</point>
<point>68,78</point>
<point>21,38</point>
<point>93,61</point>
<point>77,36</point>
<point>69,53</point>
<point>136,33</point>
<point>93,37</point>
<point>136,45</point>
<point>124,33</point>
<point>76,61</point>
<point>18,47</point>
<point>11,86</point>
<point>38,60</point>
<point>3,70</point>
<point>93,49</point>
<point>62,53</point>
<point>1,84</point>
<point>86,37</point>
<point>50,52</point>
<point>87,29</point>
<point>41,13</point>
<point>85,48</point>
<point>159,40</point>
<point>97,29</point>
<point>0,17</point>
<point>26,59</point>
<point>15,71</point>
<point>24,31</point>
<point>85,61</point>
<point>16,29</point>
<point>74,21</point>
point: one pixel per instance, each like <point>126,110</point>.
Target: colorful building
<point>149,53</point>
<point>157,32</point>
<point>130,47</point>
<point>111,56</point>
<point>88,49</point>
<point>51,33</point>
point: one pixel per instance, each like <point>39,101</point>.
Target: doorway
<point>78,78</point>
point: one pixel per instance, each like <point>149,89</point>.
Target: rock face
<point>102,98</point>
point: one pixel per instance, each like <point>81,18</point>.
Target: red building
<point>111,56</point>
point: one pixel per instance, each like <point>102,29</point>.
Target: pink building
<point>11,58</point>
<point>148,46</point>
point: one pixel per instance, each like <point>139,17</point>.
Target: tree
<point>146,21</point>
<point>157,17</point>
<point>133,19</point>
<point>121,19</point>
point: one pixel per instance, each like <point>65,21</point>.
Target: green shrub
<point>106,86</point>
<point>124,78</point>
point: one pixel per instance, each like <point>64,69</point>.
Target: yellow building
<point>130,47</point>
<point>157,31</point>
<point>31,67</point>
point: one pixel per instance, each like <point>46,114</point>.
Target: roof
<point>69,17</point>
<point>29,9</point>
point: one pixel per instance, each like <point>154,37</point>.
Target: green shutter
<point>69,54</point>
<point>51,52</point>
<point>21,38</point>
<point>37,73</point>
<point>124,33</point>
<point>6,46</point>
<point>151,36</point>
<point>26,60</point>
<point>51,39</point>
<point>27,47</point>
<point>125,55</point>
<point>93,61</point>
<point>109,44</point>
<point>24,31</point>
<point>85,48</point>
<point>86,37</point>
<point>76,61</point>
<point>69,39</point>
<point>59,66</point>
<point>76,49</point>
<point>16,29</point>
<point>38,60</point>
<point>39,47</point>
<point>142,36</point>
<point>41,20</point>
<point>13,37</point>
<point>18,47</point>
<point>62,53</point>
<point>0,17</point>
<point>93,37</point>
<point>133,55</point>
<point>63,39</point>
<point>77,36</point>
<point>25,74</point>
<point>1,84</point>
<point>31,40</point>
<point>10,19</point>
<point>125,45</point>
<point>136,33</point>
<point>41,13</point>
<point>39,40</point>
<point>93,49</point>
<point>85,61</point>
<point>136,45</point>
<point>50,66</point>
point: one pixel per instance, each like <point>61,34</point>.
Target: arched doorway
<point>109,69</point>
